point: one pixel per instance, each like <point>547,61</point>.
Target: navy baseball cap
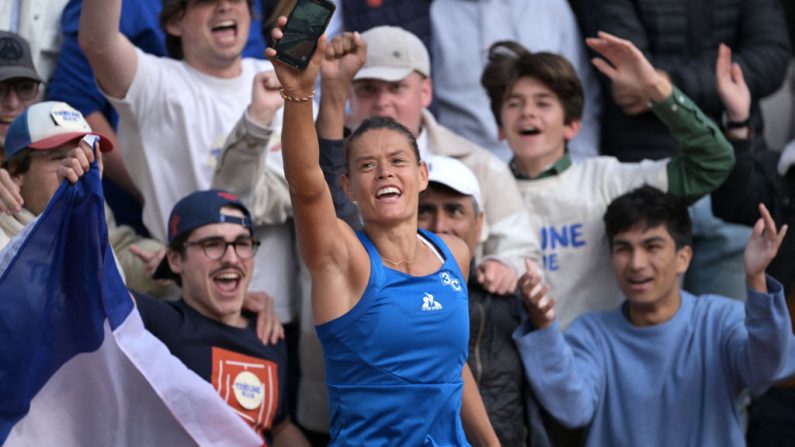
<point>196,210</point>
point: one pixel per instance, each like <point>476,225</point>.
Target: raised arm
<point>565,375</point>
<point>337,261</point>
<point>706,157</point>
<point>343,58</point>
<point>754,178</point>
<point>243,168</point>
<point>760,42</point>
<point>111,55</point>
<point>345,55</point>
<point>761,249</point>
<point>759,346</point>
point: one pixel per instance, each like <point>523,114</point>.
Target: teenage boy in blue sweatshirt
<point>664,367</point>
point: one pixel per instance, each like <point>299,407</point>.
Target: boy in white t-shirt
<point>537,101</point>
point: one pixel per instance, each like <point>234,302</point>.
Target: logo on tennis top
<point>448,280</point>
<point>429,304</point>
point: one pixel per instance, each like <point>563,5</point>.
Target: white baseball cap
<point>455,175</point>
<point>392,54</point>
<point>47,125</point>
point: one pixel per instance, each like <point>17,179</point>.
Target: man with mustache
<point>210,254</point>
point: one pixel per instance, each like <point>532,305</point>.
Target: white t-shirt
<point>566,210</point>
<point>172,126</point>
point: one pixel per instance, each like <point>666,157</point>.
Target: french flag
<point>77,367</point>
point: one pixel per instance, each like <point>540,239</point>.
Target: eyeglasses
<point>215,247</point>
<point>26,89</point>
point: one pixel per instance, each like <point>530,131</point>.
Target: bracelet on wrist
<point>287,97</point>
<point>738,124</point>
<point>729,124</point>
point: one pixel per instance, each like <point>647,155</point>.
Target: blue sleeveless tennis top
<point>394,361</point>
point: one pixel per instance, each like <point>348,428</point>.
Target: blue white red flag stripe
<point>77,367</point>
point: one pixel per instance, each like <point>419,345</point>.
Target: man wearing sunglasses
<point>210,255</point>
<point>19,83</point>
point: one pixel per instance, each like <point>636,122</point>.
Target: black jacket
<point>681,37</point>
<point>494,360</point>
<point>755,180</point>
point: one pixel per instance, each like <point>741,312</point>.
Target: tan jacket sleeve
<point>507,234</point>
<point>121,237</point>
<point>250,166</point>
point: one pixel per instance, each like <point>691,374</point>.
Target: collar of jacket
<point>557,168</point>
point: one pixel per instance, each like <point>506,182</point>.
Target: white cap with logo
<point>392,54</point>
<point>455,175</point>
<point>47,125</point>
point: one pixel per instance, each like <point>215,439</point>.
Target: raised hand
<point>10,198</point>
<point>77,162</point>
<point>630,102</point>
<point>344,56</point>
<point>265,98</point>
<point>761,249</point>
<point>628,69</point>
<point>732,89</point>
<point>540,307</point>
<point>296,83</point>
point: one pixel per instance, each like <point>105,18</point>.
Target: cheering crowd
<point>511,223</point>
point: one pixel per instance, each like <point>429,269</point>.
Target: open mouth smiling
<point>529,131</point>
<point>225,26</point>
<point>388,192</point>
<point>227,281</point>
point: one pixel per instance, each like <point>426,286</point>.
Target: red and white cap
<point>47,125</point>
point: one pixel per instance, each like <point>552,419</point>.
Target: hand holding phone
<point>296,82</point>
<point>305,24</point>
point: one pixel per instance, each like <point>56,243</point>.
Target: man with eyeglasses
<point>210,255</point>
<point>19,82</point>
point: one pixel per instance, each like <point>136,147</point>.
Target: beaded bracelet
<point>296,98</point>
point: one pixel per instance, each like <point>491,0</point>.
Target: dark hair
<point>178,245</point>
<point>510,61</point>
<point>648,207</point>
<point>375,123</point>
<point>18,164</point>
<point>174,10</point>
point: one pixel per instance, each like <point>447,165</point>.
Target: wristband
<point>728,124</point>
<point>287,97</point>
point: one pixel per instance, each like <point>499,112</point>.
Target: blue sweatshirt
<point>675,383</point>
